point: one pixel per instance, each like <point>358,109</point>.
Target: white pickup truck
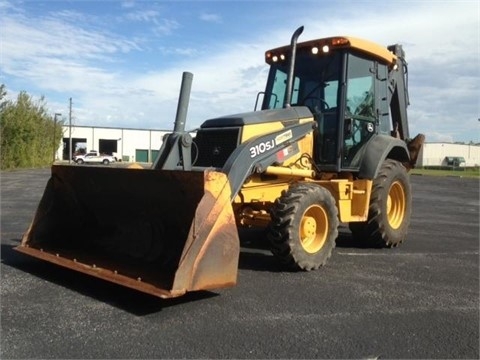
<point>94,157</point>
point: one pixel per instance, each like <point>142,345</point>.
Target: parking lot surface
<point>420,300</point>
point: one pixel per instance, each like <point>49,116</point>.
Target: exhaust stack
<point>291,68</point>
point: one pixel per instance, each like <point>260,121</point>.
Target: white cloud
<point>442,45</point>
<point>169,51</point>
<point>142,15</point>
<point>210,17</point>
<point>6,5</point>
<point>127,4</point>
<point>53,38</point>
<point>165,27</point>
<point>86,63</point>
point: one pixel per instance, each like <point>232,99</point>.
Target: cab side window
<point>360,87</point>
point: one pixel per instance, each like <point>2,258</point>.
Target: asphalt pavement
<point>420,300</point>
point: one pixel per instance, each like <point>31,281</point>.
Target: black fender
<point>379,148</point>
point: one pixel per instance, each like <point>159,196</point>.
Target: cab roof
<point>370,48</point>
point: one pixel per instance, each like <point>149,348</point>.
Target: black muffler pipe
<point>291,67</point>
<point>183,101</point>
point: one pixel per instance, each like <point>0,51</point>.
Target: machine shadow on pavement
<point>132,301</point>
<point>255,255</point>
<point>255,251</point>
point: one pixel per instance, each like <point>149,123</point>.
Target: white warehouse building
<point>131,145</point>
<point>142,145</point>
<point>448,154</point>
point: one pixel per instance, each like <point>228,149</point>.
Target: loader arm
<point>176,146</point>
<point>248,158</point>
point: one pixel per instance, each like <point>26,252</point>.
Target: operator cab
<point>344,83</point>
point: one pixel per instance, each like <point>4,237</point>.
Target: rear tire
<point>80,161</point>
<point>304,226</point>
<point>106,162</point>
<point>390,208</point>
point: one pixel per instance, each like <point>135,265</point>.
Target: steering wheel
<point>314,99</point>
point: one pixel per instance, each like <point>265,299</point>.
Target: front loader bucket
<point>160,232</point>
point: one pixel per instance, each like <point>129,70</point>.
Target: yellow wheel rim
<point>396,205</point>
<point>313,229</point>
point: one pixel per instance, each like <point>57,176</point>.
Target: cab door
<point>365,107</point>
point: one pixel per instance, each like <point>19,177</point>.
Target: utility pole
<point>54,133</point>
<point>70,132</point>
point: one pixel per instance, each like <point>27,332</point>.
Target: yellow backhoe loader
<point>329,144</point>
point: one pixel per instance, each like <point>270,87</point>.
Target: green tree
<point>27,132</point>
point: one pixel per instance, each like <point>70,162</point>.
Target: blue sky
<point>121,62</point>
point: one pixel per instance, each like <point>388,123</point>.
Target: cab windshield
<point>315,85</point>
<point>315,82</point>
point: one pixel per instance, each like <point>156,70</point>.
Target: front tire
<point>304,226</point>
<point>390,208</point>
